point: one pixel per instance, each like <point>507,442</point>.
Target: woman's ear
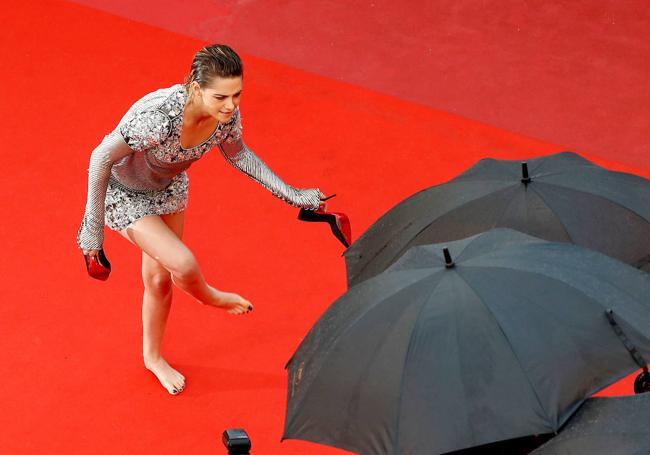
<point>195,89</point>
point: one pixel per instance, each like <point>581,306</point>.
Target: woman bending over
<point>137,185</point>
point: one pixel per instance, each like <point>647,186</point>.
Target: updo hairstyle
<point>217,60</point>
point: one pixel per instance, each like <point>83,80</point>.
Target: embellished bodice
<point>152,128</point>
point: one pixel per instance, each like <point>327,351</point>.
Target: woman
<point>137,185</point>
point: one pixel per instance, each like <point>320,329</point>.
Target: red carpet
<point>73,380</point>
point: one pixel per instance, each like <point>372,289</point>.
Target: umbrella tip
<point>448,262</point>
<point>525,178</point>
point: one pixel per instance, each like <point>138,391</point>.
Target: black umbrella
<point>607,425</point>
<point>504,340</point>
<point>561,197</point>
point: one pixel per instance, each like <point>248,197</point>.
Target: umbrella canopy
<point>564,198</point>
<point>611,425</point>
<point>427,359</point>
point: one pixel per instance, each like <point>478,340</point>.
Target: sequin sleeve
<point>234,150</point>
<point>241,157</point>
<point>112,149</point>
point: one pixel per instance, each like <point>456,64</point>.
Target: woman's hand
<point>322,204</point>
<point>307,198</point>
<point>92,254</point>
<point>323,201</point>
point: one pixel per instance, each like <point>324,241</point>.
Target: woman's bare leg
<point>158,240</point>
<point>156,305</point>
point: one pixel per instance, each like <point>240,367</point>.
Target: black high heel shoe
<point>339,222</point>
<point>98,266</point>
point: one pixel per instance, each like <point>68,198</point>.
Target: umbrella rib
<point>563,171</point>
<point>614,284</point>
<point>477,238</point>
<point>406,356</point>
<point>539,402</point>
<point>577,190</point>
<point>556,217</point>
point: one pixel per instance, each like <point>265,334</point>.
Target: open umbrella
<point>504,339</point>
<point>607,425</point>
<point>561,197</point>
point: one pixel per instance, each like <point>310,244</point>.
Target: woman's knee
<point>159,281</point>
<point>185,267</point>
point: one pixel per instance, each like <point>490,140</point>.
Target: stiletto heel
<point>98,267</point>
<point>339,222</point>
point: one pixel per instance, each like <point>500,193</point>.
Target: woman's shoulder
<point>150,120</point>
<point>169,100</point>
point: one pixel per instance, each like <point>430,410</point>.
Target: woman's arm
<point>112,149</point>
<point>241,157</point>
<point>137,132</point>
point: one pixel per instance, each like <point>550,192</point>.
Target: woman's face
<point>220,97</point>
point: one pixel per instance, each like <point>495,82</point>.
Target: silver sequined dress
<point>139,168</point>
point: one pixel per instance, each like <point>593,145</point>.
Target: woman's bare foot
<point>231,302</point>
<point>170,379</point>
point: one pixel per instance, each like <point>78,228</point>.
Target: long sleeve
<point>234,150</point>
<point>112,149</point>
<point>242,158</point>
<point>138,131</point>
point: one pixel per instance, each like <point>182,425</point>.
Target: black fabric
<point>568,199</point>
<point>638,358</point>
<point>424,359</point>
<point>605,425</point>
